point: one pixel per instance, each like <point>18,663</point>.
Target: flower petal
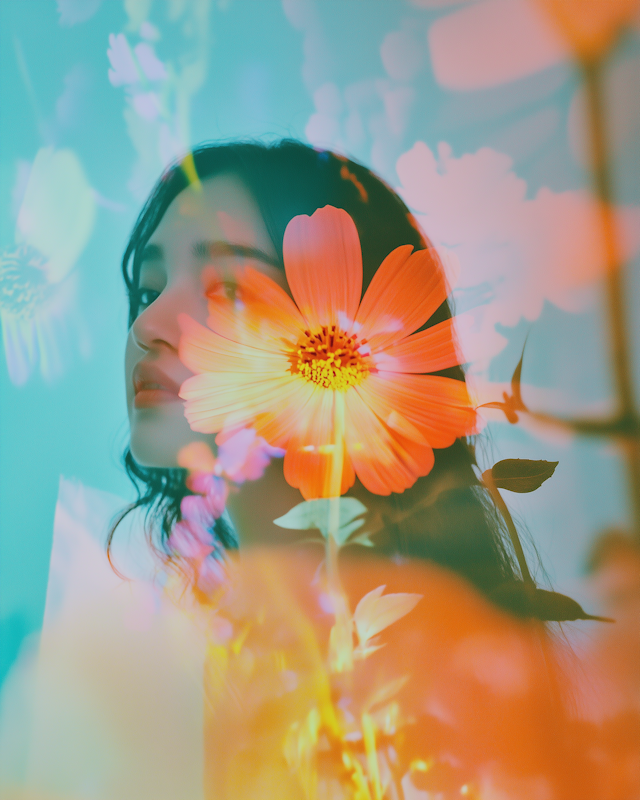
<point>189,541</point>
<point>19,337</point>
<point>261,314</point>
<point>404,293</point>
<point>383,460</point>
<point>58,211</point>
<point>323,262</point>
<point>48,332</point>
<point>440,408</point>
<point>426,351</point>
<point>234,400</point>
<point>202,350</point>
<point>288,415</point>
<point>309,458</point>
<point>196,457</point>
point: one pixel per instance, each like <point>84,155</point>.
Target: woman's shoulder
<point>111,695</point>
<point>79,569</point>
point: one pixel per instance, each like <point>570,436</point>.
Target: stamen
<point>330,359</point>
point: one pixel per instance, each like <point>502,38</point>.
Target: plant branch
<point>487,477</point>
<point>615,289</point>
<point>623,428</point>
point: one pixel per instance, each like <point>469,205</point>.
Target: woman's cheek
<point>132,355</point>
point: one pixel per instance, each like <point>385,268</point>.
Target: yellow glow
<point>369,732</point>
<point>421,766</point>
<point>188,166</point>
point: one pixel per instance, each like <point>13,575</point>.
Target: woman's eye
<point>222,289</point>
<point>146,297</point>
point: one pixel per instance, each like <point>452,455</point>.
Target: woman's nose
<point>157,324</point>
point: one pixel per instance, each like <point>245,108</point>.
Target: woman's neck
<point>257,503</point>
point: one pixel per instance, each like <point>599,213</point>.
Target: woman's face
<point>205,229</point>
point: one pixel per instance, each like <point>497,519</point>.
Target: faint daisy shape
<point>37,291</point>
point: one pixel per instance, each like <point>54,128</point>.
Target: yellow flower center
<point>331,359</point>
<point>23,284</point>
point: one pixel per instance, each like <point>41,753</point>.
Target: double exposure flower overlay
<point>194,547</point>
<point>37,288</point>
<point>335,701</point>
<point>328,372</point>
<point>451,698</point>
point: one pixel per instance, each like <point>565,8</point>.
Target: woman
<point>238,210</point>
<point>462,694</point>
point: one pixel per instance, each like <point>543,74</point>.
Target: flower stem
<point>341,638</point>
<point>335,484</point>
<point>487,477</point>
<point>615,289</point>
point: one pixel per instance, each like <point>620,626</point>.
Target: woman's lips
<point>145,398</point>
<point>152,387</point>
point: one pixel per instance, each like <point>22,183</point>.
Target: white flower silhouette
<point>55,221</point>
<point>133,66</point>
<point>135,69</point>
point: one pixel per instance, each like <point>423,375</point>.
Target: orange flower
<point>329,376</point>
<point>591,26</point>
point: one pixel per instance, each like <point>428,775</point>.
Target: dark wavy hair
<point>446,517</point>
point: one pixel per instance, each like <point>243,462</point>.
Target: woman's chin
<point>158,437</point>
<point>152,456</point>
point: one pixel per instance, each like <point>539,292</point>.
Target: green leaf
<point>346,530</point>
<point>525,601</point>
<point>317,514</point>
<point>363,539</point>
<point>555,607</point>
<point>521,475</point>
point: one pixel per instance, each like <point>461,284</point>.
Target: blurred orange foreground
<point>460,700</point>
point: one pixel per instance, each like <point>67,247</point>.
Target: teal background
<point>54,90</point>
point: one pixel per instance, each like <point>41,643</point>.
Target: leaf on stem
<point>317,514</point>
<point>376,611</point>
<point>363,539</point>
<point>521,475</point>
<point>386,692</point>
<point>363,651</point>
<point>512,403</point>
<point>541,604</point>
